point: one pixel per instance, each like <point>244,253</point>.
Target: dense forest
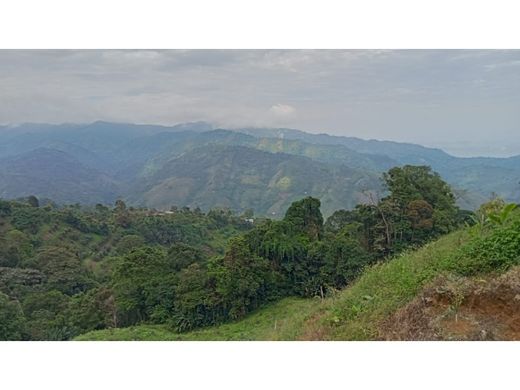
<point>68,270</point>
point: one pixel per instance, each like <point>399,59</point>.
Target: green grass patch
<point>283,320</point>
<point>356,312</point>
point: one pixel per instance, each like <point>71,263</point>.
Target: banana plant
<point>501,217</point>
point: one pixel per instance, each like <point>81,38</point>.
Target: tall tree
<point>143,285</point>
<point>305,216</point>
<point>11,319</point>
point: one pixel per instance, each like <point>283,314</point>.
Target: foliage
<point>282,320</point>
<point>357,312</point>
<point>91,310</point>
<point>243,280</point>
<point>63,270</point>
<point>182,255</point>
<point>80,269</point>
<point>143,283</point>
<point>62,263</point>
<point>305,216</point>
<point>44,312</point>
<point>497,249</point>
<point>501,217</point>
<point>194,305</point>
<point>11,319</point>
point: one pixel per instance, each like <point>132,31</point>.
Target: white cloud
<point>282,110</point>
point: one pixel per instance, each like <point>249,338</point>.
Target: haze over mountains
<point>195,165</point>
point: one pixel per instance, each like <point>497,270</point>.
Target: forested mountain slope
<point>479,176</point>
<point>238,178</point>
<point>56,175</point>
<point>129,157</point>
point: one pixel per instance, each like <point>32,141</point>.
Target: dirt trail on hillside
<point>460,309</point>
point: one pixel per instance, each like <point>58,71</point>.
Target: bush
<point>497,251</point>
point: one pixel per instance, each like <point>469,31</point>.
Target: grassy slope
<point>280,321</point>
<point>352,314</point>
<point>356,313</point>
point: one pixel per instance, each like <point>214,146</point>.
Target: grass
<point>280,321</point>
<point>357,312</point>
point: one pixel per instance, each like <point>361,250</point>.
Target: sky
<point>464,101</point>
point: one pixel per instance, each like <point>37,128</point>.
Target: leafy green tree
<point>44,312</point>
<point>121,214</point>
<point>305,216</point>
<point>102,209</point>
<point>5,208</point>
<point>221,216</point>
<point>362,223</point>
<point>63,270</point>
<point>345,258</point>
<point>412,183</point>
<point>196,303</point>
<point>420,206</point>
<point>15,248</point>
<point>242,279</point>
<point>339,219</point>
<point>129,243</point>
<point>120,205</point>
<point>28,219</point>
<point>94,309</point>
<point>418,182</point>
<point>143,285</point>
<point>16,282</point>
<point>248,214</point>
<point>420,214</point>
<point>182,255</point>
<point>12,320</point>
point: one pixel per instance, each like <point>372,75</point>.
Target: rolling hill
<point>150,165</point>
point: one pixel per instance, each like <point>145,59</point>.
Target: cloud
<point>282,110</point>
<point>405,95</point>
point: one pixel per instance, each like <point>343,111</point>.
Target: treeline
<point>67,271</point>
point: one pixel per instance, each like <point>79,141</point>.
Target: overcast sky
<point>465,101</point>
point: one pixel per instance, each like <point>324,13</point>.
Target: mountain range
<point>196,165</point>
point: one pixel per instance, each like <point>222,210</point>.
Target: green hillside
<point>239,178</point>
<point>282,320</point>
<point>351,314</point>
<point>359,311</point>
<point>101,162</point>
<point>184,273</point>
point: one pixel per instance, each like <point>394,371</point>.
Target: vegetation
<point>360,311</point>
<point>282,320</point>
<point>192,165</point>
<point>70,270</point>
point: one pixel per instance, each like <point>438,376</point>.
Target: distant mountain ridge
<point>55,175</point>
<point>239,177</point>
<point>196,164</point>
